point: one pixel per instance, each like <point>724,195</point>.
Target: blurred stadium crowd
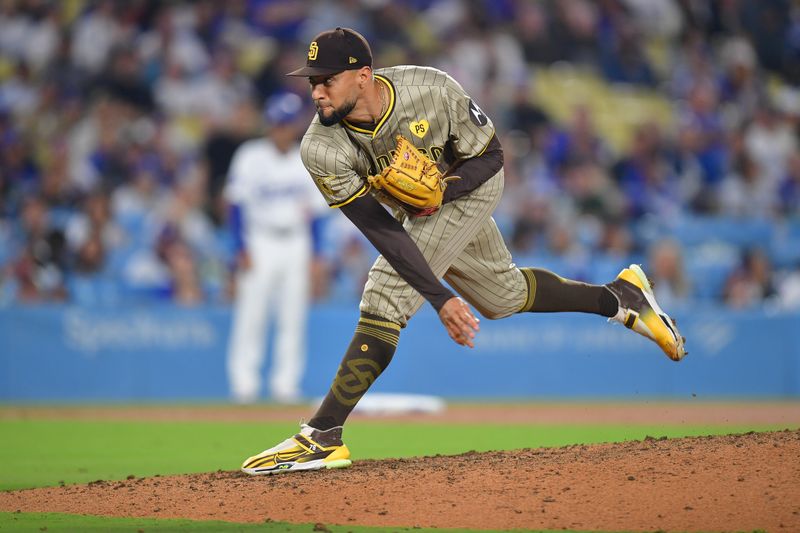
<point>658,131</point>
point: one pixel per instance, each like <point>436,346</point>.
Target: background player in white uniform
<point>273,207</point>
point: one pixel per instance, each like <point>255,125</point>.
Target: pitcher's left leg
<point>485,276</point>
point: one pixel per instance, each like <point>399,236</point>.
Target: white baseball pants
<point>275,289</point>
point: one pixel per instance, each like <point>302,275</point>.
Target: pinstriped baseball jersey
<point>425,105</point>
<point>461,241</point>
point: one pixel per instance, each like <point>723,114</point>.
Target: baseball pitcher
<point>410,139</point>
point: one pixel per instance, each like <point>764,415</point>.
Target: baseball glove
<point>411,180</point>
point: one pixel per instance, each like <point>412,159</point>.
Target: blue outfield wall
<point>79,354</point>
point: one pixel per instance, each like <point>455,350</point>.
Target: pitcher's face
<point>334,95</point>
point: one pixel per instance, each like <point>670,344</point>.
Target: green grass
<point>36,453</point>
<point>52,522</point>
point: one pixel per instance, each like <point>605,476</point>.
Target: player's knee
<point>493,313</point>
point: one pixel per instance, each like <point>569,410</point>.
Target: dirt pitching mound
<point>728,483</point>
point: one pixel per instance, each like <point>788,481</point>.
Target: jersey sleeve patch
<point>324,184</point>
<point>476,115</point>
<point>338,190</point>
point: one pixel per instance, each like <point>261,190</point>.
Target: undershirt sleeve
<point>474,171</point>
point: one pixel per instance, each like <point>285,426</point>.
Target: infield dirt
<point>724,483</point>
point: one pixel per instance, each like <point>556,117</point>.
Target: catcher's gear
<point>411,181</point>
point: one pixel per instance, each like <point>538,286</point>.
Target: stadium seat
<point>708,266</point>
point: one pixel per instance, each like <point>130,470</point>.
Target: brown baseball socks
<point>550,293</point>
<point>369,353</point>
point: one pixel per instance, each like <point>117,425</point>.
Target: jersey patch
<point>419,128</point>
<point>476,115</point>
<point>324,186</point>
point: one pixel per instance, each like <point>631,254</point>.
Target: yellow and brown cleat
<point>639,311</point>
<point>310,449</point>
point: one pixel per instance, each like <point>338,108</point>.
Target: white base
<point>392,404</point>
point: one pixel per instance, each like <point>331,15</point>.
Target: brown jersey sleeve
<point>471,130</point>
<point>330,162</point>
<point>472,147</point>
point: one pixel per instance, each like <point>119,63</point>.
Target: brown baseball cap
<point>336,50</point>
